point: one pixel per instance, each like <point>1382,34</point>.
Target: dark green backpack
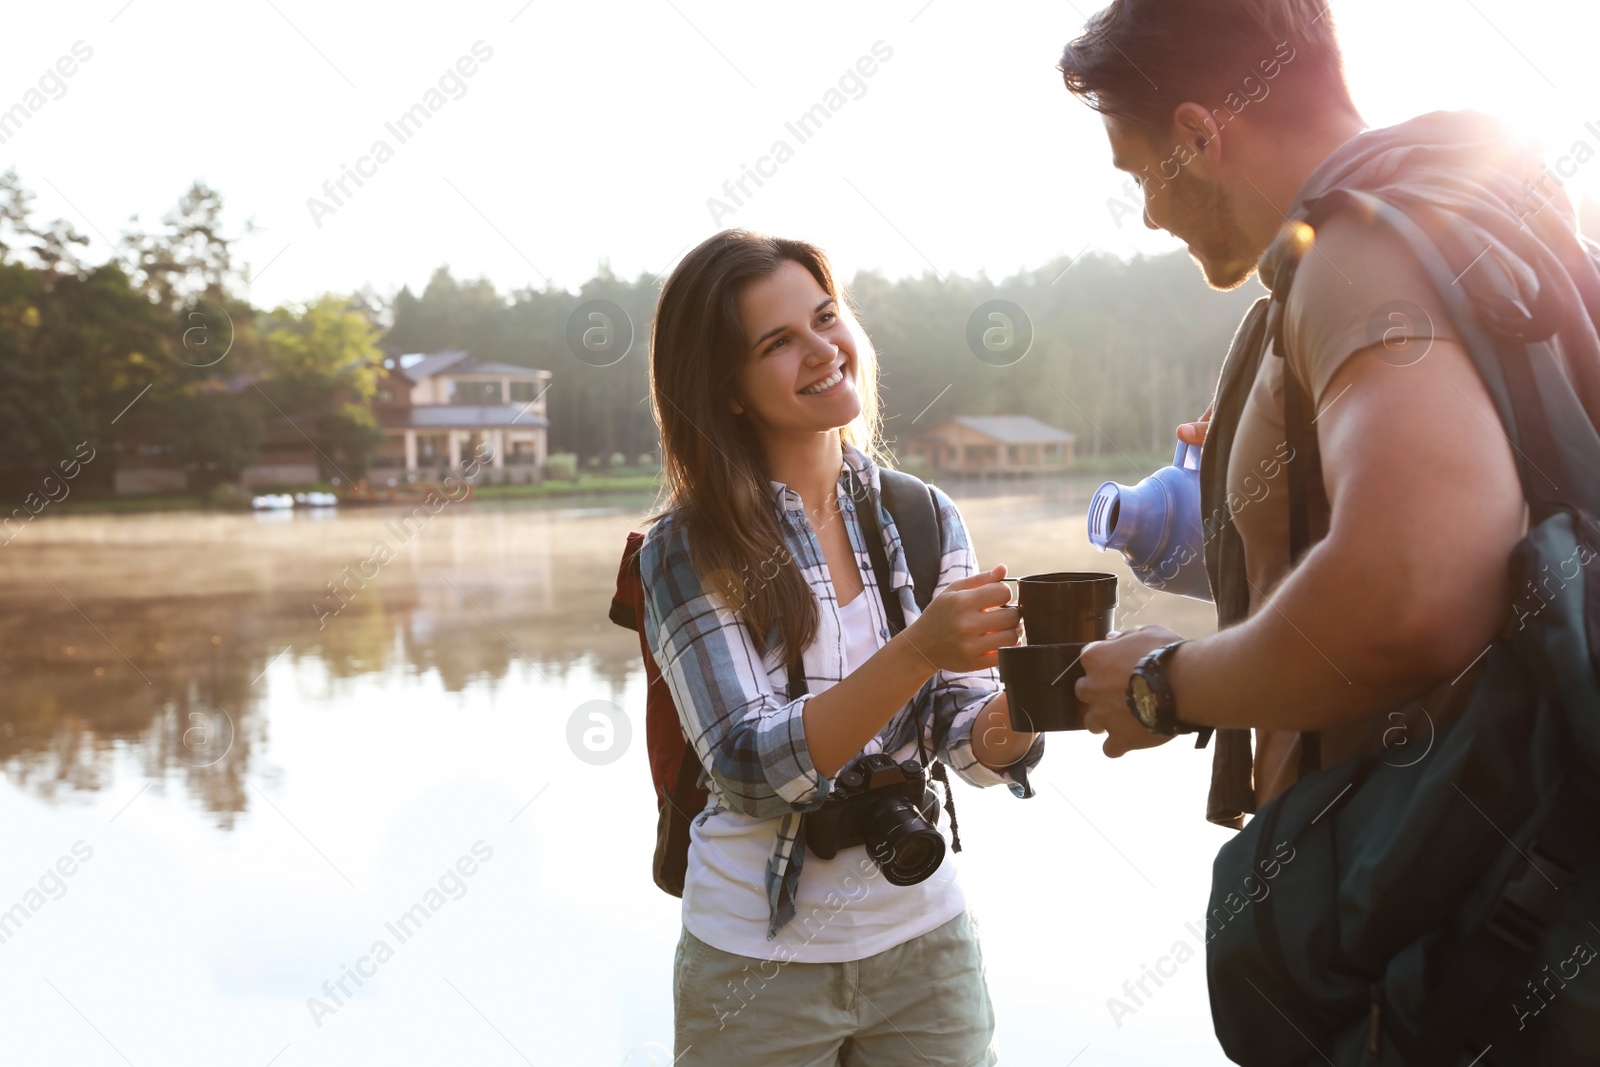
<point>1444,910</point>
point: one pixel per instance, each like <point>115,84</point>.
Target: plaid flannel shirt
<point>733,703</point>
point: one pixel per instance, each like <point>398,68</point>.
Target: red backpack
<point>678,796</point>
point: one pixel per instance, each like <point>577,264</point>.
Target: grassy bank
<point>585,485</point>
<point>125,505</point>
<point>1124,467</point>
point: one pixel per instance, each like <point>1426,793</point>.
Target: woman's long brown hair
<point>716,472</point>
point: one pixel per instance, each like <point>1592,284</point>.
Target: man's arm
<point>1407,589</point>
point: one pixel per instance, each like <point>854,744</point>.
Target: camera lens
<point>903,844</point>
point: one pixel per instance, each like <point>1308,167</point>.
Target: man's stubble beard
<point>1216,240</point>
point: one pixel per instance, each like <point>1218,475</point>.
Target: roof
<point>501,369</point>
<point>429,365</point>
<point>1013,429</point>
<point>466,416</point>
<point>418,366</point>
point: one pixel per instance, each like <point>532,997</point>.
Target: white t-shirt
<point>844,909</point>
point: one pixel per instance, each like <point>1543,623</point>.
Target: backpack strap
<point>1551,436</point>
<point>911,505</point>
<point>671,862</point>
<point>1529,902</point>
<point>1232,793</point>
<point>1304,468</point>
<point>677,791</point>
<point>628,599</point>
<point>1305,478</point>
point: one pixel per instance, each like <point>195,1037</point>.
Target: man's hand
<point>1103,689</point>
<point>1194,433</point>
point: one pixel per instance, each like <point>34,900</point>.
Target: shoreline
<point>1128,469</point>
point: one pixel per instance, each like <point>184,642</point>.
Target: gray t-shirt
<point>1359,287</point>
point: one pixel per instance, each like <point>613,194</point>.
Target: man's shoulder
<point>1354,261</point>
<point>1359,287</point>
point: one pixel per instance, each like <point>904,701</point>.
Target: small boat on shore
<point>285,501</point>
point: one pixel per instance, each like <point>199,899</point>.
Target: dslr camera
<point>886,806</point>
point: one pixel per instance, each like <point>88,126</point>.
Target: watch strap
<point>1167,722</point>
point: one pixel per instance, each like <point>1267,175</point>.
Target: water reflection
<point>153,633</point>
<point>302,786</point>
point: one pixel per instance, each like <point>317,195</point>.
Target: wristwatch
<point>1150,695</point>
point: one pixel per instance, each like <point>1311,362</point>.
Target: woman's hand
<point>966,623</point>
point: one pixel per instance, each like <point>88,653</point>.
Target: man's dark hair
<point>1139,59</point>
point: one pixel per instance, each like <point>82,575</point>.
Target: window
<point>432,449</point>
<point>469,392</point>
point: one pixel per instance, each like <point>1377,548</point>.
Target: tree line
<point>1116,351</point>
<point>158,348</point>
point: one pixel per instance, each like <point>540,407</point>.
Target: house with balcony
<point>993,444</point>
<point>436,409</point>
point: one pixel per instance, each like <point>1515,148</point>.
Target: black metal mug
<point>1063,607</point>
<point>1039,682</point>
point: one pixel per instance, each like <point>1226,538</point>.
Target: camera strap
<point>872,533</point>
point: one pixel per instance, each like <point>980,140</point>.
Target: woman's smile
<point>826,385</point>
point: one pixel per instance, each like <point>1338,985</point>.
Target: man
<point>1228,115</point>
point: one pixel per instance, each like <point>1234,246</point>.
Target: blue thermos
<point>1156,526</point>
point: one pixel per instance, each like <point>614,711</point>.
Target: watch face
<point>1144,700</point>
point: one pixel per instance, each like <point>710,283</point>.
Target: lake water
<point>221,801</point>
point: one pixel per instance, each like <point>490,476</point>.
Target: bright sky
<point>598,131</point>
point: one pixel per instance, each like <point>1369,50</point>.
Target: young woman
<point>766,396</point>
